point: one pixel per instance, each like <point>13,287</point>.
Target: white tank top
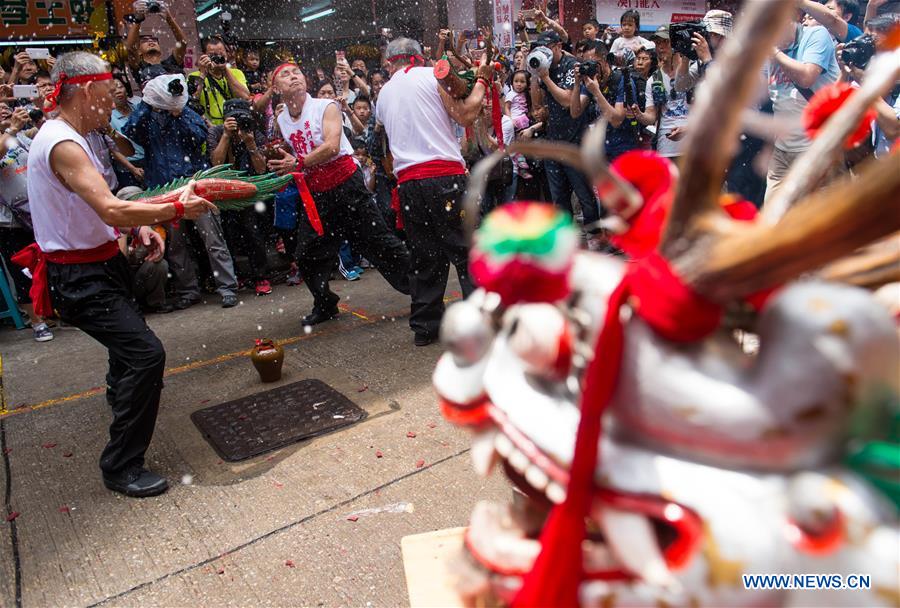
<point>62,220</point>
<point>415,120</point>
<point>305,134</point>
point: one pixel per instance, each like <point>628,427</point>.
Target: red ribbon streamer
<point>309,204</point>
<point>51,102</point>
<point>497,115</point>
<point>676,312</point>
<point>36,260</point>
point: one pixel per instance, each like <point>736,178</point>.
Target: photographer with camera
<point>238,142</point>
<point>698,45</point>
<point>216,81</point>
<point>143,50</point>
<point>666,108</point>
<point>553,77</point>
<point>602,90</point>
<point>173,136</point>
<point>854,58</point>
<point>803,62</point>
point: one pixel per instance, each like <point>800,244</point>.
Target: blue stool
<point>12,309</point>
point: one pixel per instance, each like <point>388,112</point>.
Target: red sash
<point>431,169</point>
<point>330,175</point>
<point>36,260</point>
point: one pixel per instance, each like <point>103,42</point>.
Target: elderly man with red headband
<point>78,269</point>
<point>338,206</point>
<point>418,117</point>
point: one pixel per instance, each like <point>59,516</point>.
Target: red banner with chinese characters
<point>53,19</point>
<point>653,12</point>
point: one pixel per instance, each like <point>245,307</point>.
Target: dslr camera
<point>858,52</point>
<point>218,59</point>
<point>153,6</point>
<point>588,68</point>
<point>244,121</point>
<point>539,59</point>
<point>175,87</point>
<point>681,35</point>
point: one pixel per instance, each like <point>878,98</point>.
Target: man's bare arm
<point>71,165</point>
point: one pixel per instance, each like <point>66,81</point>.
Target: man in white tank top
<point>333,192</point>
<point>84,276</point>
<point>418,117</point>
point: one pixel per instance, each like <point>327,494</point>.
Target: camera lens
<point>175,87</point>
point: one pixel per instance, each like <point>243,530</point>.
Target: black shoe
<point>184,303</point>
<point>136,482</point>
<point>318,316</point>
<point>164,309</point>
<point>424,339</point>
<point>229,301</point>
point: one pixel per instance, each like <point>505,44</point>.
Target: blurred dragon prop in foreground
<point>656,459</point>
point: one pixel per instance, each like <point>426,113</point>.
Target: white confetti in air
<point>259,328</point>
<point>260,207</point>
<point>187,479</point>
<point>307,329</point>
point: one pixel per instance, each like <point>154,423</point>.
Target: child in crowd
<point>592,30</point>
<point>361,155</point>
<point>517,103</point>
<point>630,23</point>
<point>256,78</point>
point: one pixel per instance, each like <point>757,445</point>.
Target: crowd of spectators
<point>169,123</point>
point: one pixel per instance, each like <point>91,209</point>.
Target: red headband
<point>283,66</point>
<point>50,102</point>
<point>412,59</point>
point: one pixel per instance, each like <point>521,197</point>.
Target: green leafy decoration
<point>266,186</point>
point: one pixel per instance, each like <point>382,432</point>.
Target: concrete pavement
<point>271,531</point>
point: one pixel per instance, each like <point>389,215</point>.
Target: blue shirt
<point>173,145</point>
<point>853,33</point>
<point>813,45</point>
<point>118,120</point>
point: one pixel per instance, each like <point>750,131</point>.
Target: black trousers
<point>243,233</point>
<point>97,299</point>
<point>349,213</point>
<point>433,220</point>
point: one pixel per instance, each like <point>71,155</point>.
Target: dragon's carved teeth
<point>555,492</point>
<point>633,543</point>
<point>536,477</point>
<point>484,456</point>
<point>518,460</point>
<point>503,444</point>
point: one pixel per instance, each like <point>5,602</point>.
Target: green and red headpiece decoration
<point>523,251</point>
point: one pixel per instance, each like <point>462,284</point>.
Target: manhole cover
<point>259,423</point>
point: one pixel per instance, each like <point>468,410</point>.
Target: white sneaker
<point>42,333</point>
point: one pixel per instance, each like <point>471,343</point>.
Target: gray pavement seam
<point>13,530</point>
<point>278,530</point>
